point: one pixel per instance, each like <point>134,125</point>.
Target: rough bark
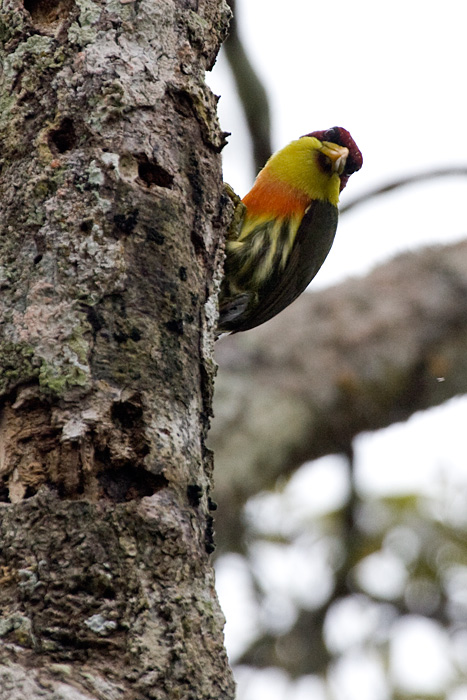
<point>111,217</point>
<point>355,357</point>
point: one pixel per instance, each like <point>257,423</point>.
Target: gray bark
<point>111,218</point>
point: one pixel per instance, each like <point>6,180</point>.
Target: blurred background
<point>345,577</point>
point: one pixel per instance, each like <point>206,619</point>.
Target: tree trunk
<point>112,214</point>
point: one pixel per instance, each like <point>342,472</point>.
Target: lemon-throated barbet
<point>288,227</point>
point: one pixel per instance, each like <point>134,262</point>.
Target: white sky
<point>394,75</point>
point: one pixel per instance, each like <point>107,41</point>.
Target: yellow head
<point>316,166</point>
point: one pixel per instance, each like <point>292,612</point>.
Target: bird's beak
<point>337,155</point>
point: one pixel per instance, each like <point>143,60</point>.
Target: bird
<point>284,227</point>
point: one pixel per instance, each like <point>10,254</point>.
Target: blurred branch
<point>403,182</point>
<point>358,356</point>
<point>252,93</point>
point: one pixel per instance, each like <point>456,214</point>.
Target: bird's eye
<point>324,163</point>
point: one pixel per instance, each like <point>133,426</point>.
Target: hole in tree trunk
<point>126,483</point>
<point>47,13</point>
<point>64,137</point>
<point>153,174</point>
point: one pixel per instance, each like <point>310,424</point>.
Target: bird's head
<point>315,166</point>
<point>345,164</point>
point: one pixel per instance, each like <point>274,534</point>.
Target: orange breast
<point>268,196</point>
